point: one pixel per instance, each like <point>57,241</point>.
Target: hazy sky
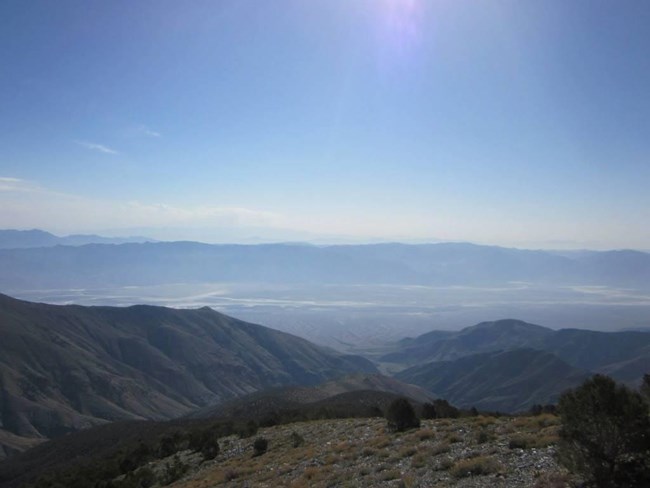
<point>509,122</point>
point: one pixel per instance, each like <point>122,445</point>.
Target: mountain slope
<point>623,355</point>
<point>507,381</point>
<point>484,337</point>
<point>265,402</point>
<point>63,368</point>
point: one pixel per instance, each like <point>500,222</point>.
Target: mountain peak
<point>508,324</point>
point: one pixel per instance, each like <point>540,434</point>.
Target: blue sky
<point>518,123</point>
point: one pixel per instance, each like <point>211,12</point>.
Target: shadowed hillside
<point>64,368</point>
<point>511,381</point>
<point>348,387</point>
<point>623,355</point>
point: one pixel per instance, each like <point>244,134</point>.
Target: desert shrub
<point>440,448</point>
<point>645,387</point>
<point>484,436</point>
<point>249,429</point>
<point>553,480</point>
<point>428,411</point>
<point>406,451</point>
<point>296,439</point>
<point>605,434</point>
<point>426,434</point>
<point>475,467</point>
<point>260,446</point>
<point>144,477</point>
<point>529,441</point>
<point>472,412</point>
<point>521,441</point>
<point>401,416</point>
<point>174,471</point>
<point>453,438</point>
<point>444,410</point>
<point>169,445</point>
<point>538,409</point>
<point>206,442</point>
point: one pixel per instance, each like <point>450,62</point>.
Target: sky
<point>517,123</point>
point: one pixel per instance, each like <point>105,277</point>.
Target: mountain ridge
<point>625,351</point>
<point>511,381</point>
<point>444,264</point>
<point>24,239</point>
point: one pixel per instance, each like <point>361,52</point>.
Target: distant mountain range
<point>64,368</point>
<point>447,264</point>
<point>510,365</point>
<point>21,239</point>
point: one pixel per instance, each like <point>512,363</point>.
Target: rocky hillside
<point>64,368</point>
<point>481,451</point>
<point>472,452</point>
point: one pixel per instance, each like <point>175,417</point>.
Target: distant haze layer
<point>346,296</point>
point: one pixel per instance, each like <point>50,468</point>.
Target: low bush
<point>605,434</point>
<point>401,416</point>
<point>260,446</point>
<point>475,467</point>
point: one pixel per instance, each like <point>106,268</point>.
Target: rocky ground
<point>470,452</point>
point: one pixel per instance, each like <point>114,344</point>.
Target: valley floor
<point>469,452</point>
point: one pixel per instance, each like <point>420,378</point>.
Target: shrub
<point>206,442</point>
<point>426,434</point>
<point>645,387</point>
<point>445,410</point>
<point>145,477</point>
<point>521,441</point>
<point>475,467</point>
<point>605,434</point>
<point>538,409</point>
<point>428,411</point>
<point>553,480</point>
<point>167,446</point>
<point>296,439</point>
<point>174,471</point>
<point>260,446</point>
<point>401,416</point>
<point>483,436</point>
<point>248,429</point>
<point>440,448</point>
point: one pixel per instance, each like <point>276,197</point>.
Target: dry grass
<point>380,442</point>
<point>440,448</point>
<point>406,451</point>
<point>475,466</point>
<point>482,421</point>
<point>553,480</point>
<point>425,434</point>
<point>452,438</point>
<point>530,441</point>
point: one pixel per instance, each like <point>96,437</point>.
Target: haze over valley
<point>345,296</point>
